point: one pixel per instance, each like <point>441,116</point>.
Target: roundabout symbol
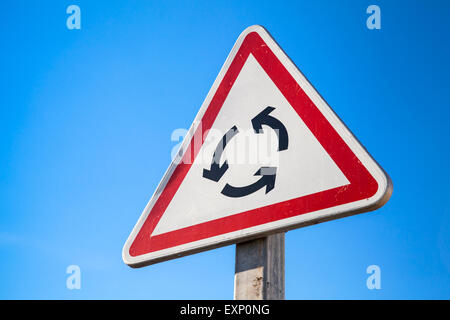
<point>268,174</point>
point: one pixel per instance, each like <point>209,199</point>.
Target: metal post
<point>259,273</point>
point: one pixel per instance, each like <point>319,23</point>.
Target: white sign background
<point>304,168</point>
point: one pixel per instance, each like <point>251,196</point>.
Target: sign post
<point>220,191</point>
<point>259,273</point>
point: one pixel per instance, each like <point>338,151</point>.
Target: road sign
<point>265,154</point>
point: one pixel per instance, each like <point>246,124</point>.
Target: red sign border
<point>362,185</point>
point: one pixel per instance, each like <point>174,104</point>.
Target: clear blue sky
<point>86,117</point>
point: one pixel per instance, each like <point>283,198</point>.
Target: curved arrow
<point>264,118</point>
<point>216,171</point>
<point>267,180</point>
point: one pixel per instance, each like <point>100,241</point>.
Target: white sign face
<point>264,154</point>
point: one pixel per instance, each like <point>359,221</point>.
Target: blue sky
<point>86,117</point>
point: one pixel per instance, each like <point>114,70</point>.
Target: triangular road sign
<point>265,154</point>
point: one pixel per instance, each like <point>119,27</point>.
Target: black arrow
<point>264,118</point>
<point>267,180</point>
<point>216,171</point>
